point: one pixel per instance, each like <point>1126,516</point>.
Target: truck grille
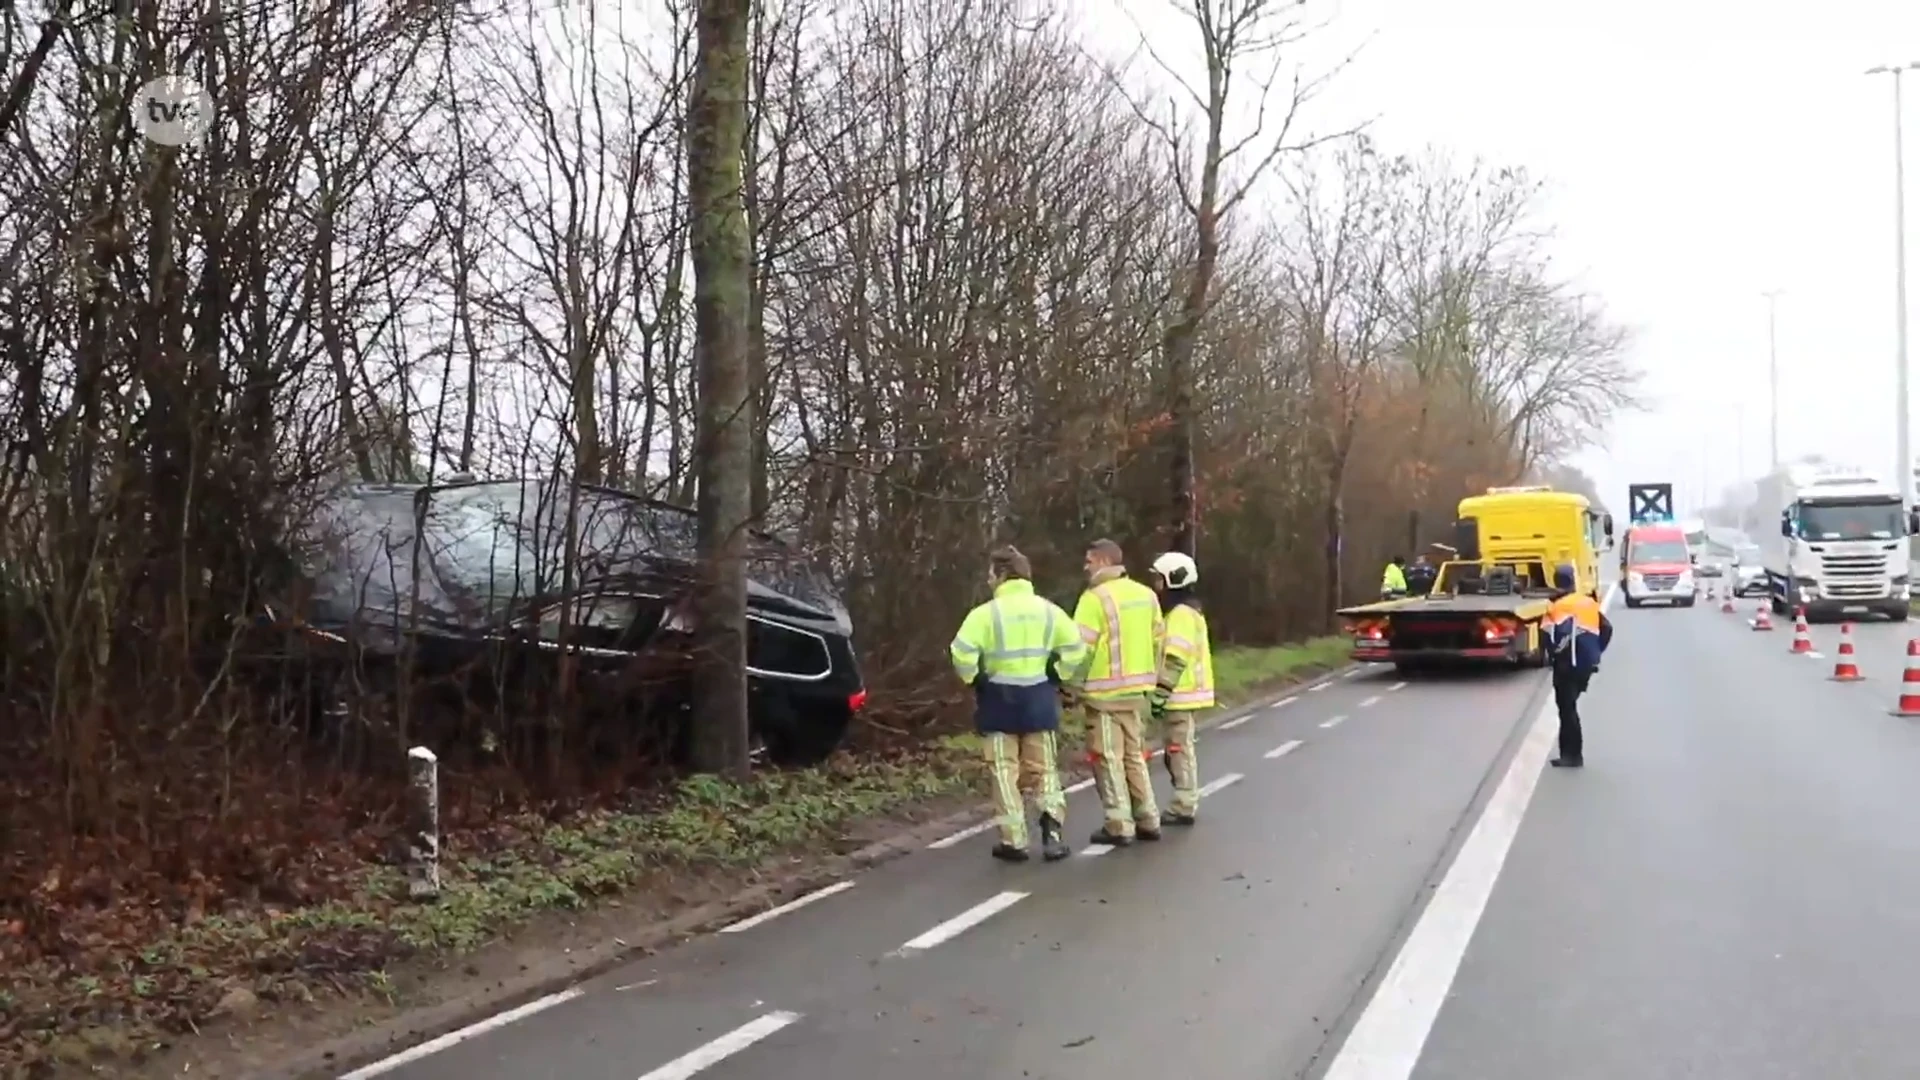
<point>1662,582</point>
<point>1854,576</point>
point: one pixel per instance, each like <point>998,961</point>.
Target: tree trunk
<point>724,442</point>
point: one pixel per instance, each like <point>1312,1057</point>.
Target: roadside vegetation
<point>441,239</point>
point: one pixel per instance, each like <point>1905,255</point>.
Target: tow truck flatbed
<point>1454,625</point>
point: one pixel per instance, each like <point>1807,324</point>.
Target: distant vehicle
<point>1695,532</point>
<point>1747,572</point>
<point>1488,601</point>
<point>1842,545</point>
<point>471,583</point>
<point>1657,566</point>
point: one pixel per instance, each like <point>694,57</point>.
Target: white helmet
<point>1178,570</point>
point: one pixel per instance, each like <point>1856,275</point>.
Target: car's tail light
<point>857,700</point>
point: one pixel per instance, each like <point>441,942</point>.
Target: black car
<point>475,577</point>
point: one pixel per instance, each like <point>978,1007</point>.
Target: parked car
<point>476,577</point>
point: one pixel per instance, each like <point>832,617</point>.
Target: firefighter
<point>1393,580</point>
<point>1186,680</point>
<point>1120,622</point>
<point>1578,631</point>
<point>1011,650</point>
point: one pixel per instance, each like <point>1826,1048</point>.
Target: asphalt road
<point>1387,885</point>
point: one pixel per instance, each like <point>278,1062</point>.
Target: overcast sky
<point>1699,153</point>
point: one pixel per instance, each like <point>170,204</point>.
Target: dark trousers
<point>1568,684</point>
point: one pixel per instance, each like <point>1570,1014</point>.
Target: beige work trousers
<point>1028,759</point>
<point>1183,762</point>
<point>1116,747</point>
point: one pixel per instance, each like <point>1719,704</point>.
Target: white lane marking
<point>454,1038</point>
<point>791,905</point>
<point>961,923</point>
<point>1815,656</point>
<point>722,1048</point>
<point>967,833</point>
<point>1285,701</point>
<point>1335,722</point>
<point>1282,750</point>
<point>1236,722</point>
<point>1372,701</point>
<point>1386,1041</point>
<point>1355,671</point>
<point>1220,782</point>
<point>1079,785</point>
<point>1092,850</point>
<point>1317,687</point>
<point>1396,686</point>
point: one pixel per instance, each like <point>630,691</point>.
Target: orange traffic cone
<point>1802,638</point>
<point>1844,669</point>
<point>1762,618</point>
<point>1909,703</point>
<point>1726,600</point>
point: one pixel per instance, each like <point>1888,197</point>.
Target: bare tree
<point>1233,35</point>
<point>723,284</point>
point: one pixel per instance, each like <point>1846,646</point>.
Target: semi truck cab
<point>1843,549</point>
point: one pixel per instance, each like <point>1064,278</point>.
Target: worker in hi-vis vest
<point>1120,622</point>
<point>1012,650</point>
<point>1185,688</point>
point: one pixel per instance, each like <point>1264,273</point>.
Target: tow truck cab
<point>1658,567</point>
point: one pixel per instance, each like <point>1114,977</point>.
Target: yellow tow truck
<point>1488,602</point>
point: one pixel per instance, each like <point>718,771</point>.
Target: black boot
<point>1009,853</point>
<point>1110,839</point>
<point>1174,817</point>
<point>1565,761</point>
<point>1052,847</point>
<point>1145,834</point>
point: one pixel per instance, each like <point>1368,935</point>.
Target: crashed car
<point>476,575</point>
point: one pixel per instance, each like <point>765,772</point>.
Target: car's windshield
<point>1860,521</point>
<point>1658,551</point>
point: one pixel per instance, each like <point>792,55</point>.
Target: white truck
<point>1841,547</point>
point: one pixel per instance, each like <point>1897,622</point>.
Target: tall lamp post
<point>1773,378</point>
<point>1904,471</point>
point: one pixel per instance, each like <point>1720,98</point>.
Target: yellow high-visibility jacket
<point>1186,671</point>
<point>1002,650</point>
<point>1120,621</point>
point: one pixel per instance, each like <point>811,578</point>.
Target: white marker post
<point>423,824</point>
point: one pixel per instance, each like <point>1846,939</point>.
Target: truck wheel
<point>1899,614</point>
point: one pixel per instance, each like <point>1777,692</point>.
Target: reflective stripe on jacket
<point>1578,631</point>
<point>1120,621</point>
<point>1189,659</point>
<point>1003,650</point>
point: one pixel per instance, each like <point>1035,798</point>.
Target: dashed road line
<point>1282,750</point>
<point>1285,701</point>
<point>1235,722</point>
<point>1334,722</point>
<point>1079,786</point>
<point>961,923</point>
<point>1092,850</point>
<point>1317,687</point>
<point>706,1057</point>
<point>1396,686</point>
<point>454,1038</point>
<point>967,833</point>
<point>1370,702</point>
<point>791,905</point>
<point>1354,672</point>
<point>1220,782</point>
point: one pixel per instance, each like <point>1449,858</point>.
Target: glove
<point>1069,697</point>
<point>1157,701</point>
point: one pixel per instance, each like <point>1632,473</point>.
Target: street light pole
<point>1773,378</point>
<point>1903,472</point>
